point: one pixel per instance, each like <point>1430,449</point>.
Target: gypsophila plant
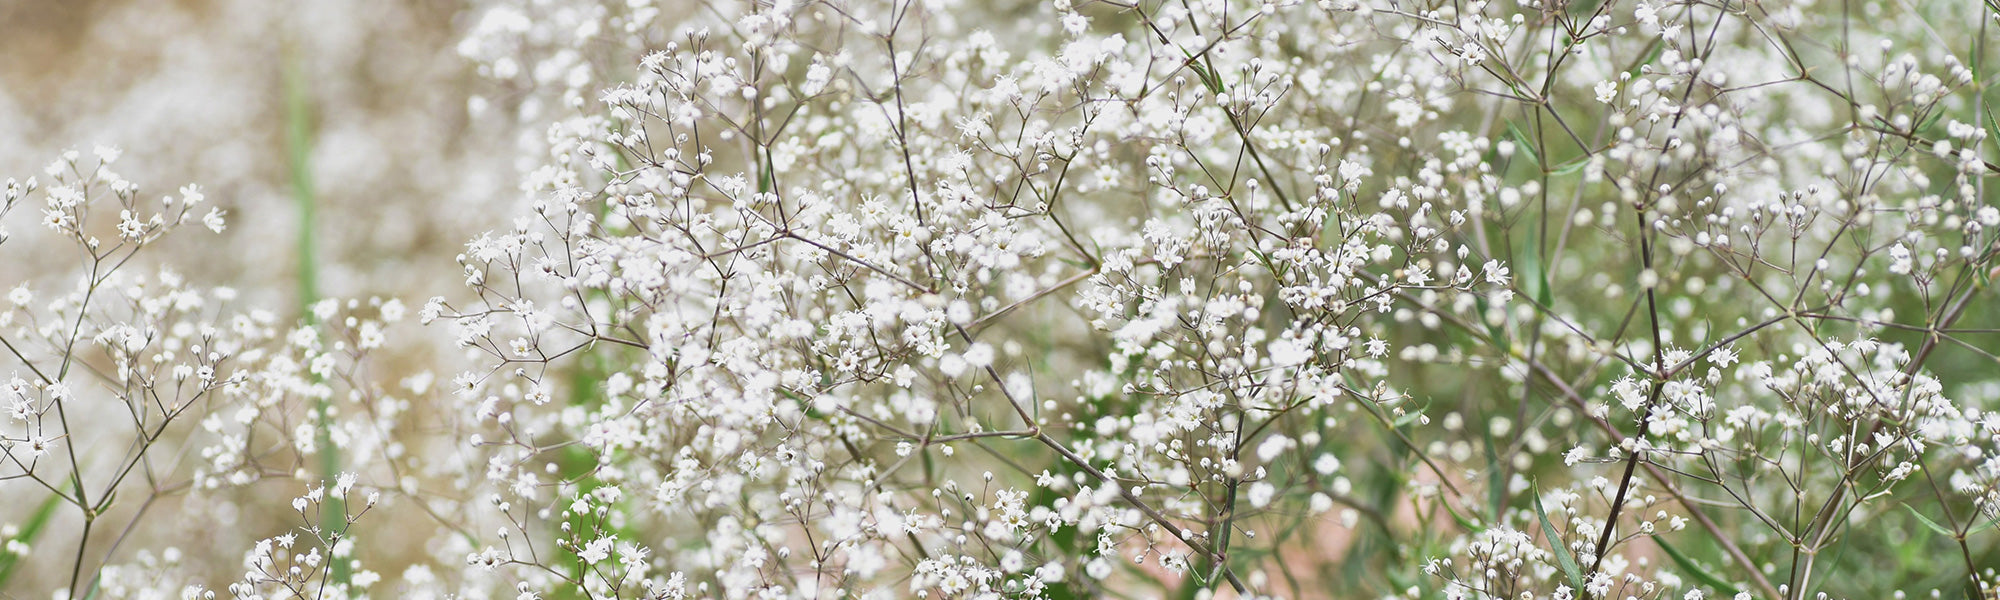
<point>1590,300</point>
<point>133,392</point>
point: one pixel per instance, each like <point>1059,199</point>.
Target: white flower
<point>1288,352</point>
<point>1598,585</point>
<point>129,226</point>
<point>1607,91</point>
<point>1075,24</point>
<point>370,336</point>
<point>1471,54</point>
<point>39,445</point>
<point>597,550</point>
<point>1646,14</point>
<point>213,220</point>
<point>979,356</point>
<point>1901,262</point>
<point>1630,392</point>
<point>1497,273</point>
<point>1261,494</point>
<point>1097,568</point>
<point>1326,464</point>
<point>1722,357</point>
<point>952,365</point>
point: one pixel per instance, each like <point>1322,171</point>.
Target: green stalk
<point>298,153</point>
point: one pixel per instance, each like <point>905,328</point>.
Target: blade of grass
<point>298,155</point>
<point>1537,274</point>
<point>1496,483</point>
<point>1695,570</point>
<point>1522,144</point>
<point>1933,525</point>
<point>1563,555</point>
<point>33,529</point>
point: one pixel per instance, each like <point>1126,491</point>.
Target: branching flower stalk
<point>1649,300</point>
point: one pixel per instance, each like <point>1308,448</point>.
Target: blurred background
<point>209,91</point>
<point>368,97</point>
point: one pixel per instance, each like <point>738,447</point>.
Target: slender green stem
<point>298,153</point>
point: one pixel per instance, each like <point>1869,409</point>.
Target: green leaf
<point>1940,529</point>
<point>1522,143</point>
<point>1462,520</point>
<point>1537,275</point>
<point>1695,570</point>
<point>1563,555</point>
<point>1210,80</point>
<point>1410,416</point>
<point>1936,115</point>
<point>1992,126</point>
<point>1982,526</point>
<point>1494,332</point>
<point>298,152</point>
<point>810,411</point>
<point>1496,483</point>
<point>1573,166</point>
<point>1583,9</point>
<point>36,522</point>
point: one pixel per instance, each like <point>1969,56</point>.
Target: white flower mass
<point>1051,299</point>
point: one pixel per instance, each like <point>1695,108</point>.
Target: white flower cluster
<point>197,398</point>
<point>830,248</point>
<point>1058,299</point>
